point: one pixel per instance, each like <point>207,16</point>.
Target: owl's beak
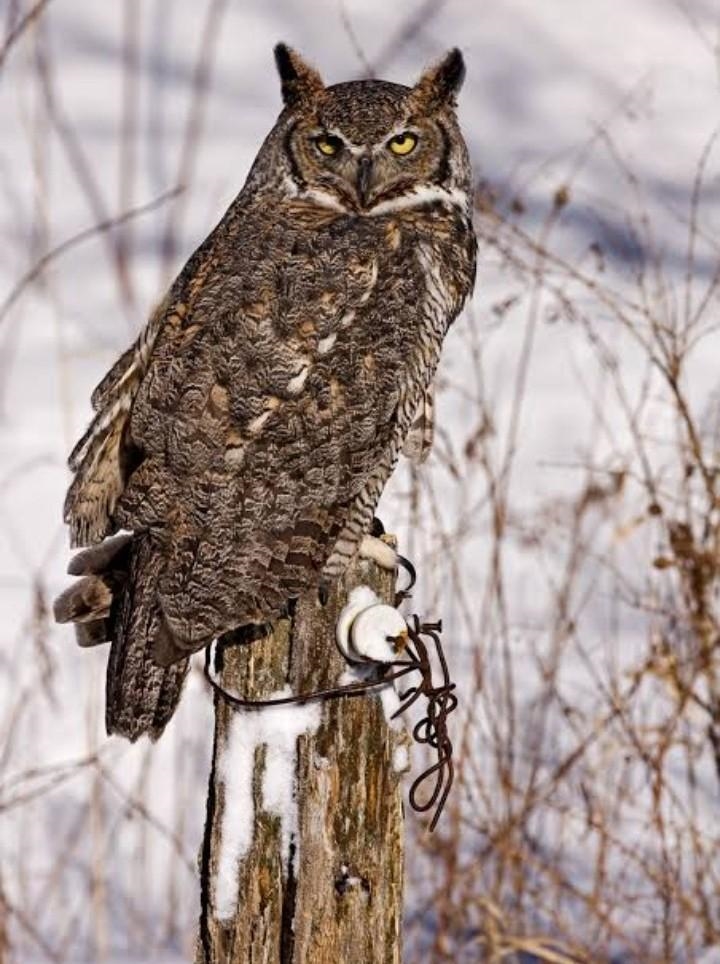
<point>364,178</point>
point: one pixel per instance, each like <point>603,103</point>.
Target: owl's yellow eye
<point>402,143</point>
<point>328,144</point>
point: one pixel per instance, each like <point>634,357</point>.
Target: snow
<point>401,758</point>
<point>281,727</point>
<point>347,880</point>
<point>710,955</point>
<point>235,770</point>
<point>391,704</point>
<point>277,729</point>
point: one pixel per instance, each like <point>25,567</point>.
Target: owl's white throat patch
<point>419,196</point>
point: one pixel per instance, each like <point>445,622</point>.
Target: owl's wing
<point>100,458</point>
<point>104,457</point>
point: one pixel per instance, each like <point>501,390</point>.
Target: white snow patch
<point>401,759</point>
<point>235,768</point>
<point>387,693</point>
<point>349,879</point>
<point>277,728</point>
<point>390,705</point>
<point>711,955</point>
<point>353,674</point>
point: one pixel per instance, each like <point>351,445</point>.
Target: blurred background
<point>566,528</point>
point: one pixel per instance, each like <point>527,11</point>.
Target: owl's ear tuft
<point>440,84</point>
<point>299,81</point>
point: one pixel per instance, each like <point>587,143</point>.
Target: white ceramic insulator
<point>362,597</point>
<point>373,631</point>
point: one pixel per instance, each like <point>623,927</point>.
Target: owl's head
<point>368,146</point>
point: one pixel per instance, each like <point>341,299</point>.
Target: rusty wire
<point>431,730</point>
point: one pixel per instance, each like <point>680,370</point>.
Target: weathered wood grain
<point>340,898</point>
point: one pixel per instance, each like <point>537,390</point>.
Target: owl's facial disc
<point>363,144</point>
<point>358,174</point>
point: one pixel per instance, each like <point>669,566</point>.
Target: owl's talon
<point>405,592</point>
<point>377,529</point>
<point>388,558</point>
<point>323,594</point>
<point>243,635</point>
<point>246,634</point>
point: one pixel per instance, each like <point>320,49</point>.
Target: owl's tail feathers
<point>115,600</point>
<point>141,695</point>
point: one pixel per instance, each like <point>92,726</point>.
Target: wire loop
<point>430,731</point>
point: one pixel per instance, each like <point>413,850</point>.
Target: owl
<point>239,448</point>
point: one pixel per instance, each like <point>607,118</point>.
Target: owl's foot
<point>380,552</point>
<point>244,635</point>
<point>386,557</point>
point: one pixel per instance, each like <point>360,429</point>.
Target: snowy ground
<point>556,92</point>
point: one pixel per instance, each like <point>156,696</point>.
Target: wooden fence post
<point>302,861</point>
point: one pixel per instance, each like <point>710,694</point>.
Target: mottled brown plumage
<point>246,437</point>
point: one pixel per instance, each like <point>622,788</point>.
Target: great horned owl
<point>243,442</point>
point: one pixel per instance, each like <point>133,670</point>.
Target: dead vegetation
<point>586,829</point>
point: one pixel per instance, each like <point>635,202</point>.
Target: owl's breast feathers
<point>264,406</point>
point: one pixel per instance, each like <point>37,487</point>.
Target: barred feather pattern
<point>418,443</point>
